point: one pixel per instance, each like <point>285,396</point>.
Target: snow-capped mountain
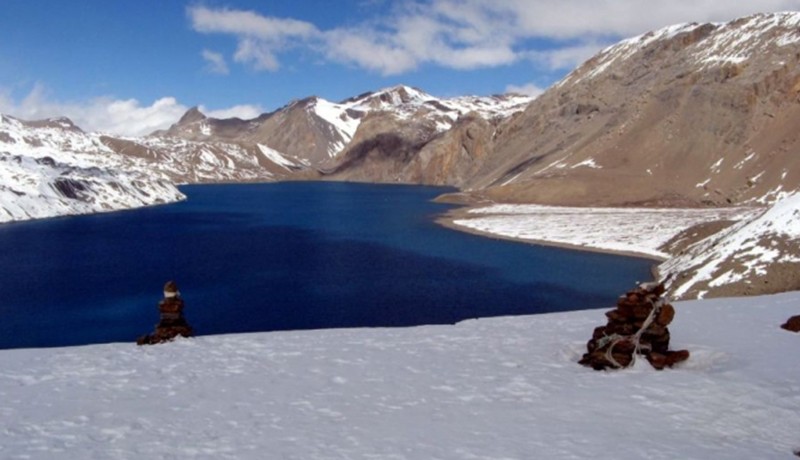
<point>407,136</point>
<point>317,131</point>
<point>700,114</point>
<point>51,168</point>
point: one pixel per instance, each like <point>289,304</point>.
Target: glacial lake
<point>285,256</point>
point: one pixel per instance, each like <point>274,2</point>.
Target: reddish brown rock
<point>792,324</point>
<point>675,357</point>
<point>616,315</point>
<point>667,359</point>
<point>657,360</point>
<point>625,308</point>
<point>642,310</point>
<point>666,315</point>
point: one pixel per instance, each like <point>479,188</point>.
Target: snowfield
<point>501,388</point>
<point>639,231</point>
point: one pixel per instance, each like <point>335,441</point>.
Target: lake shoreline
<point>449,219</point>
<point>637,232</point>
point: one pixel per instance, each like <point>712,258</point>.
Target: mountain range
<point>691,115</point>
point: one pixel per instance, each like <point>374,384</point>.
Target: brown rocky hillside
<point>688,115</point>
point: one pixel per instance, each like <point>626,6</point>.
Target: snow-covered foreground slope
<point>505,388</point>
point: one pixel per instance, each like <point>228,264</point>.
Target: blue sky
<point>129,67</point>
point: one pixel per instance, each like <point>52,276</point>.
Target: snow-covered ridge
<point>747,251</point>
<point>494,388</point>
<point>52,168</point>
<point>406,102</point>
<point>727,43</point>
<point>317,130</point>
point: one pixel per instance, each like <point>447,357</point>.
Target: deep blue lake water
<point>269,257</point>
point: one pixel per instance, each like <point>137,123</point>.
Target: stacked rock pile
<point>638,325</point>
<point>171,320</point>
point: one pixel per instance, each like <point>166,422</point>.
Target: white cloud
<point>529,89</point>
<point>127,117</point>
<point>257,53</point>
<point>215,62</point>
<point>259,37</point>
<point>578,19</point>
<point>566,57</point>
<point>248,24</point>
<point>467,34</point>
<point>369,51</point>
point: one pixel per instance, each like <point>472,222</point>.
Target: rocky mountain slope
<point>691,114</point>
<point>318,132</point>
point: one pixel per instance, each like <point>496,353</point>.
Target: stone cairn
<point>638,325</point>
<point>171,320</point>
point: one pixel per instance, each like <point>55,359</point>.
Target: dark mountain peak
<point>191,116</point>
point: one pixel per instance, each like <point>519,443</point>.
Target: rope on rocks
<point>635,338</point>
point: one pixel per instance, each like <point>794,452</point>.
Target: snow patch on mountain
<point>277,157</point>
<point>186,162</point>
<point>751,251</point>
<point>733,42</point>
